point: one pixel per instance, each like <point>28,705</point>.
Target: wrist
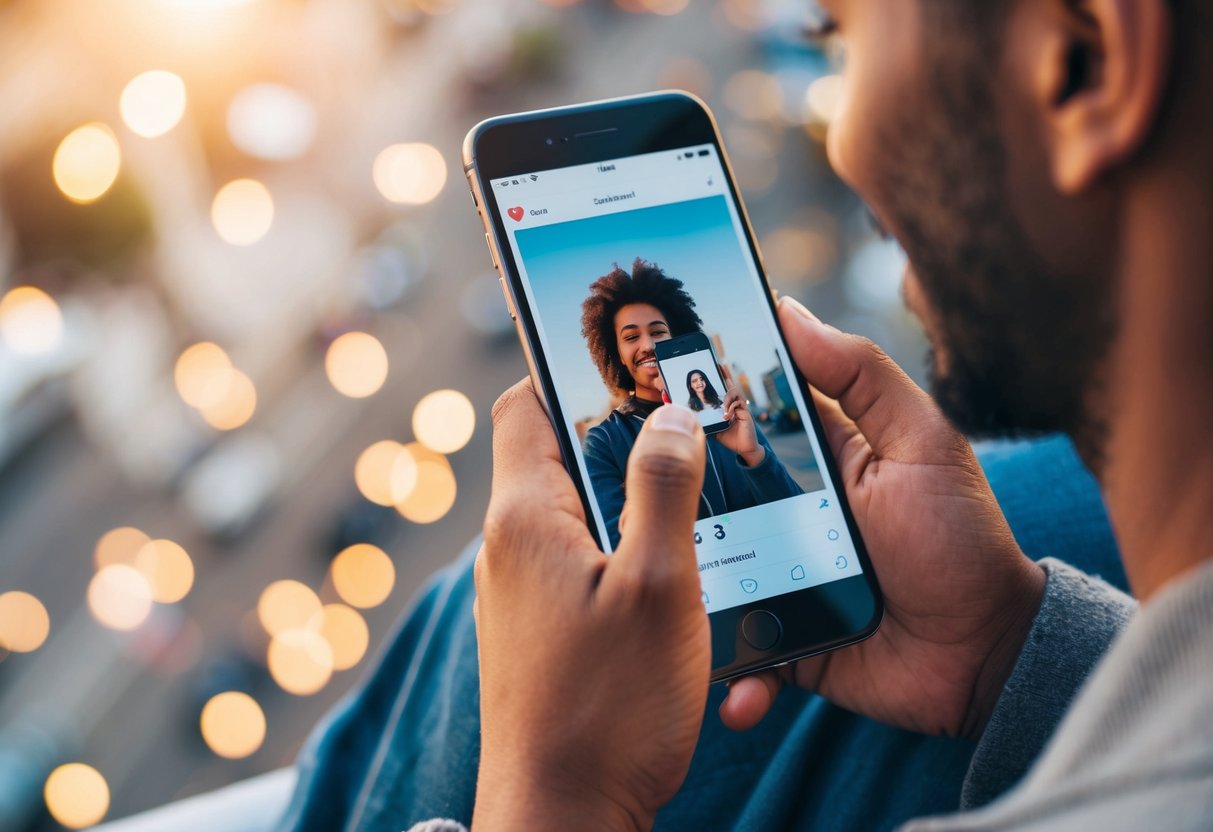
<point>1022,605</point>
<point>754,458</point>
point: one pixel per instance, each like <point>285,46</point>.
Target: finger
<point>749,700</point>
<point>664,478</point>
<point>534,502</point>
<point>848,445</point>
<point>872,390</point>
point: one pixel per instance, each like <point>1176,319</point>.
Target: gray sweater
<point>1134,748</point>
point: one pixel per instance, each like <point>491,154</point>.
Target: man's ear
<point>1099,72</point>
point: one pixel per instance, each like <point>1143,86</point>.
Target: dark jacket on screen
<point>728,484</point>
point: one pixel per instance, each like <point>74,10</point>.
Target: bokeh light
<point>686,73</point>
<point>30,321</point>
<point>434,7</point>
<point>444,421</point>
<point>345,631</point>
<point>237,406</point>
<point>753,94</point>
<point>232,725</point>
<point>242,212</point>
<point>203,374</point>
<point>87,162</point>
<point>434,494</point>
<point>286,605</point>
<point>24,622</point>
<point>153,103</point>
<point>300,661</point>
<point>206,4</point>
<point>822,98</point>
<point>363,575</point>
<point>77,795</point>
<point>271,121</point>
<point>747,15</point>
<point>205,378</point>
<point>796,255</point>
<point>120,597</point>
<point>356,365</point>
<point>120,545</point>
<point>385,473</point>
<point>411,174</point>
<point>664,7</point>
<point>168,569</point>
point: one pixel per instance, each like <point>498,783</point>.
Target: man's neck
<point>1158,474</point>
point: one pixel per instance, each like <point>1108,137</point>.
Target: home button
<point>761,630</point>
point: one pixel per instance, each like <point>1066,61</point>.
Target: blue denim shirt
<point>404,747</point>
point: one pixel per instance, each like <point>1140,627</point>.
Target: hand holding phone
<point>742,435</point>
<point>960,596</point>
<point>629,265</point>
<point>622,641</point>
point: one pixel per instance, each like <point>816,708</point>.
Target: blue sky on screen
<point>694,241</point>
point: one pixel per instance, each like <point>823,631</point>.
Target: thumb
<point>885,404</point>
<point>664,478</point>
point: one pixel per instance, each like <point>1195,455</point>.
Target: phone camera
<point>548,141</point>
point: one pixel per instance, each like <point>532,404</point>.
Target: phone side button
<point>508,303</point>
<point>492,257</point>
<point>761,630</point>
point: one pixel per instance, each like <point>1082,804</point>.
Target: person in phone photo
<point>703,395</point>
<point>625,314</point>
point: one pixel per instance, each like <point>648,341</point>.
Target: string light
<point>76,795</point>
<point>232,725</point>
<point>24,622</point>
<point>444,421</point>
<point>411,174</point>
<point>356,365</point>
<point>242,212</point>
<point>87,162</point>
<point>153,103</point>
<point>363,575</point>
<point>30,321</point>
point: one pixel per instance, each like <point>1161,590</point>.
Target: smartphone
<point>617,227</point>
<point>693,378</point>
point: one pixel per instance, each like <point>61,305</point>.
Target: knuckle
<point>647,585</point>
<point>664,469</point>
<point>510,399</point>
<point>868,349</point>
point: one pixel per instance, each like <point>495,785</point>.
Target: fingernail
<point>674,418</point>
<point>798,307</point>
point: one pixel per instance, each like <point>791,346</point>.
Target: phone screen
<point>769,518</point>
<point>692,378</point>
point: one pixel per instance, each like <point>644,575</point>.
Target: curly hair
<point>608,294</point>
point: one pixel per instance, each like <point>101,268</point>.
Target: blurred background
<point>250,337</point>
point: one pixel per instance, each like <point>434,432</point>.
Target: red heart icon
<point>515,213</point>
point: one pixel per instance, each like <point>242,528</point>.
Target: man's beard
<point>1016,347</point>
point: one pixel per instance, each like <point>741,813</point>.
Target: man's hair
<point>608,294</point>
